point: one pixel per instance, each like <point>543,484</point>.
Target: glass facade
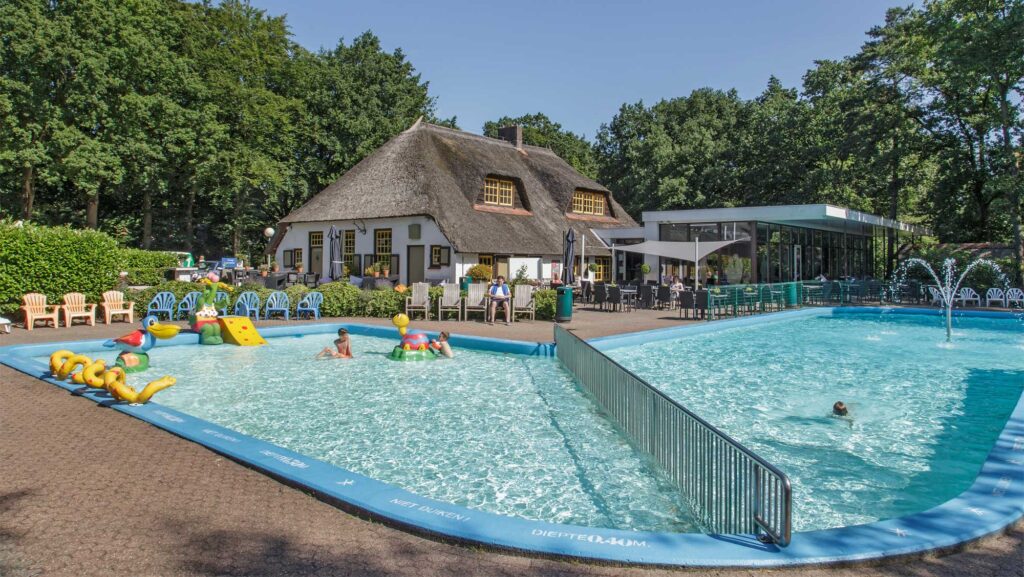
<point>776,253</point>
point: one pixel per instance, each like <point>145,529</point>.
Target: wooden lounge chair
<point>522,302</point>
<point>36,309</point>
<point>476,300</point>
<point>75,307</point>
<point>419,301</point>
<point>451,300</point>
<point>114,304</point>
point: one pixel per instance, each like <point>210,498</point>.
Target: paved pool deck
<point>87,491</point>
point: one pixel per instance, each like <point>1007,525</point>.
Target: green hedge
<point>54,261</point>
<point>146,267</point>
<point>545,303</point>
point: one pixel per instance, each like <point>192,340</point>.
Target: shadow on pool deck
<point>88,491</point>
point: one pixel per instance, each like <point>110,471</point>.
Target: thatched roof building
<point>439,172</point>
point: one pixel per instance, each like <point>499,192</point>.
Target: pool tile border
<point>994,501</point>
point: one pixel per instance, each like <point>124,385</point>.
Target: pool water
<point>923,415</point>
<point>507,434</point>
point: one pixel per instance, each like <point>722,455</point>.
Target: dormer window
<point>584,202</point>
<point>499,192</point>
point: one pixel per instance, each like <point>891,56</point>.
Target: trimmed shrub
<point>342,299</point>
<point>54,261</point>
<point>146,267</point>
<point>479,273</point>
<point>545,303</point>
<point>142,297</point>
<point>385,303</point>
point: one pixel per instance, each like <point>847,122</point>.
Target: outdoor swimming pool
<point>923,414</point>
<point>503,448</point>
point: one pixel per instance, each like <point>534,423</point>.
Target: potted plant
<point>299,268</point>
<point>376,269</point>
<point>385,269</point>
<point>264,270</point>
<point>274,267</point>
<point>368,271</point>
<point>645,269</point>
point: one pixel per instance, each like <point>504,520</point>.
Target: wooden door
<point>415,263</point>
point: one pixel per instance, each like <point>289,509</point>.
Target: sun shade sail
<point>688,251</point>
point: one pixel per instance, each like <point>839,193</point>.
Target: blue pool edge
<point>994,501</point>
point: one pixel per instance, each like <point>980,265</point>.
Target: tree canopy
<point>185,125</point>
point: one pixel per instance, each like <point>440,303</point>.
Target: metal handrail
<point>729,487</point>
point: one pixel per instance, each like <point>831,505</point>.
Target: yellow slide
<point>240,331</point>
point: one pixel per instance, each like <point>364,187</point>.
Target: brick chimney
<point>513,134</point>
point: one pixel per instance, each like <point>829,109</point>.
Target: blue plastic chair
<point>310,305</point>
<point>248,305</point>
<point>162,303</point>
<point>222,302</point>
<point>187,304</point>
<point>277,302</point>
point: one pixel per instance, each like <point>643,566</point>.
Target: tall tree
<point>539,130</point>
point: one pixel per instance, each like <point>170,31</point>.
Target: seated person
<point>441,346</point>
<point>343,346</point>
<point>500,295</point>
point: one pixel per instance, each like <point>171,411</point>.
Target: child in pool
<point>343,346</point>
<point>441,346</point>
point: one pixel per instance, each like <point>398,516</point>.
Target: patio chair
<point>5,325</point>
<point>700,304</point>
<point>163,302</point>
<point>995,297</point>
<point>615,298</point>
<point>600,295</point>
<point>419,301</point>
<point>686,303</point>
<point>645,296</point>
<point>523,303</point>
<point>291,279</point>
<point>311,279</point>
<point>476,300</point>
<point>187,303</point>
<point>771,298</point>
<point>34,308</point>
<point>75,307</point>
<point>1014,296</point>
<point>278,302</point>
<point>113,304</point>
<point>664,297</point>
<point>967,295</point>
<point>248,305</point>
<point>936,295</point>
<point>310,305</point>
<point>451,300</point>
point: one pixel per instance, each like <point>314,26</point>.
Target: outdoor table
<point>814,289</point>
<point>714,299</point>
<point>749,299</point>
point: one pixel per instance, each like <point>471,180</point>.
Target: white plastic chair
<point>419,301</point>
<point>1014,296</point>
<point>936,296</point>
<point>995,295</point>
<point>967,295</point>
<point>522,302</point>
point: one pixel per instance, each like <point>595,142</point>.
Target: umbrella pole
<point>696,263</point>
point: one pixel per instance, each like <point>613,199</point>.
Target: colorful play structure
<point>134,346</point>
<point>415,346</point>
<point>95,374</point>
<point>215,330</point>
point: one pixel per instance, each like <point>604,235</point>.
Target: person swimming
<point>839,409</point>
<point>343,346</point>
<point>441,346</point>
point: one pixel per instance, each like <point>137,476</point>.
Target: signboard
<point>229,262</point>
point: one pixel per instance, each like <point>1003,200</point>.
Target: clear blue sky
<point>579,61</point>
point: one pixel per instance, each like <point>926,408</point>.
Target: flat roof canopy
<point>819,216</point>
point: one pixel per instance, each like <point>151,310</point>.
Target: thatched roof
<point>439,172</point>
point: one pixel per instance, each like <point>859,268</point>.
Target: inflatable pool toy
<point>114,380</point>
<point>203,318</point>
<point>134,346</point>
<point>240,331</point>
<point>415,346</point>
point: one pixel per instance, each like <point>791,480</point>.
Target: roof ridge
<point>483,137</point>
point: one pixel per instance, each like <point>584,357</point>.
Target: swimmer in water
<point>839,409</point>
<point>343,346</point>
<point>441,346</point>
